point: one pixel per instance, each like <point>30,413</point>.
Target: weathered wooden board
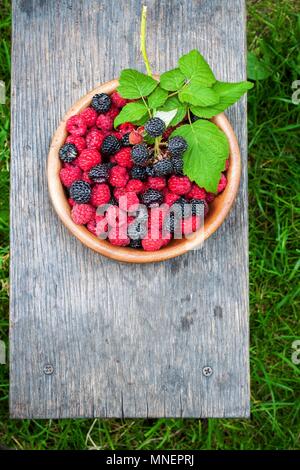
<point>123,340</point>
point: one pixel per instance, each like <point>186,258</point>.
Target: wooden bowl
<point>219,208</point>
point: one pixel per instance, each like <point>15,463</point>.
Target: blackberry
<point>137,230</point>
<point>163,167</point>
<point>113,201</point>
<point>152,197</point>
<point>150,170</point>
<point>125,140</point>
<point>68,153</point>
<point>140,154</point>
<point>155,127</point>
<point>177,163</point>
<point>101,103</point>
<point>100,173</point>
<point>171,223</point>
<point>199,207</point>
<point>139,173</point>
<point>182,207</point>
<point>80,191</point>
<point>141,214</point>
<point>177,145</point>
<point>193,117</point>
<point>110,145</point>
<point>135,244</point>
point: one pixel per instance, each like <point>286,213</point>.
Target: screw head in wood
<point>207,371</point>
<point>48,369</point>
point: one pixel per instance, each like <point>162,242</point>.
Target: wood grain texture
<point>124,340</point>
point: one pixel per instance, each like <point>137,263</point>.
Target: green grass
<point>274,146</point>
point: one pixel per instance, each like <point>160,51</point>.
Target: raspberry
<point>118,236</point>
<point>76,125</point>
<point>71,202</point>
<point>183,207</point>
<point>116,216</point>
<point>118,192</point>
<point>155,127</point>
<point>100,194</point>
<point>136,186</point>
<point>166,238</point>
<point>163,167</point>
<point>94,139</point>
<point>90,116</point>
<point>85,177</point>
<point>156,218</point>
<point>140,154</point>
<point>222,184</point>
<point>82,213</point>
<point>118,135</point>
<point>196,192</point>
<point>170,198</point>
<point>78,141</point>
<point>151,244</point>
<point>177,163</point>
<point>179,184</point>
<point>129,201</point>
<point>190,225</point>
<point>117,100</point>
<point>69,174</point>
<point>199,207</point>
<point>68,153</point>
<point>88,158</point>
<point>91,226</point>
<point>139,173</point>
<point>135,244</point>
<point>101,226</point>
<point>80,191</point>
<point>113,112</point>
<point>125,140</point>
<point>123,157</point>
<point>137,230</point>
<point>210,197</point>
<point>126,127</point>
<point>177,146</point>
<point>100,173</point>
<point>104,122</point>
<point>135,137</point>
<point>152,197</point>
<point>101,103</point>
<point>110,145</point>
<point>118,176</point>
<point>156,182</point>
<point>171,223</point>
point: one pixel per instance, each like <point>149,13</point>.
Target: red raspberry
<point>112,159</point>
<point>210,197</point>
<point>104,122</point>
<point>156,182</point>
<point>100,194</point>
<point>76,125</point>
<point>116,216</point>
<point>101,225</point>
<point>91,226</point>
<point>78,141</point>
<point>136,186</point>
<point>179,184</point>
<point>117,134</point>
<point>170,198</point>
<point>130,218</point>
<point>227,164</point>
<point>118,192</point>
<point>191,224</point>
<point>166,238</point>
<point>129,201</point>
<point>71,202</point>
<point>82,213</point>
<point>118,176</point>
<point>117,100</point>
<point>90,116</point>
<point>118,236</point>
<point>69,174</point>
<point>88,158</point>
<point>85,177</point>
<point>123,157</point>
<point>156,216</point>
<point>94,139</point>
<point>222,184</point>
<point>135,137</point>
<point>196,192</point>
<point>126,127</point>
<point>113,112</point>
<point>150,244</point>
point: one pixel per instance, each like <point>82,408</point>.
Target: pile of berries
<point>122,190</point>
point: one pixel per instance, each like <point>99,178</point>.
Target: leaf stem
<point>143,40</point>
<point>146,105</point>
<point>189,116</point>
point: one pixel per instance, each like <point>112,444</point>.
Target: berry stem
<point>143,40</point>
<point>189,116</point>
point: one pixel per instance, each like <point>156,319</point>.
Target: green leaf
<point>228,93</point>
<point>174,103</point>
<point>172,80</point>
<point>207,151</point>
<point>257,69</point>
<point>131,112</point>
<point>166,116</point>
<point>157,98</point>
<point>134,84</point>
<point>198,95</point>
<point>193,65</point>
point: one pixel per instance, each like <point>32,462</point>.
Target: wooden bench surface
<point>90,336</point>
